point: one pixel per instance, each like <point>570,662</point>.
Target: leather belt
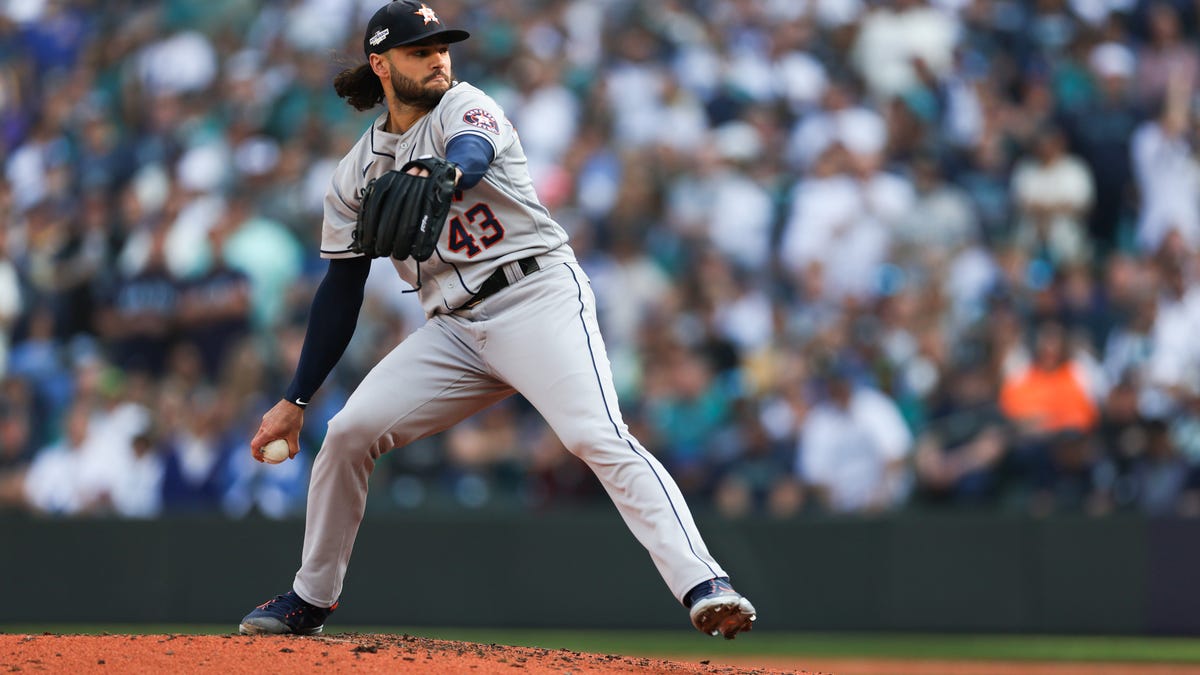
<point>499,281</point>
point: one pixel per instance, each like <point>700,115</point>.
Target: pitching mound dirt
<point>347,652</point>
<point>358,653</point>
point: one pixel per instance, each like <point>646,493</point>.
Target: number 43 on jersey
<point>480,219</point>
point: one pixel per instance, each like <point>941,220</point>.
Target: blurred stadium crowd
<point>851,255</point>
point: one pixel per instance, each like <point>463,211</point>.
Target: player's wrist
<point>297,397</point>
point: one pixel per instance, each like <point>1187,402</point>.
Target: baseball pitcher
<point>439,185</point>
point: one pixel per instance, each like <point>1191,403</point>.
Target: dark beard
<point>409,92</point>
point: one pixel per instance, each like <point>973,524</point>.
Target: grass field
<point>685,644</point>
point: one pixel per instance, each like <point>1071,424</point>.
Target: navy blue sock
<point>700,591</point>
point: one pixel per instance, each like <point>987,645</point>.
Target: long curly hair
<point>360,86</point>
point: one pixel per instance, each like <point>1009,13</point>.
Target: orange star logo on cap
<point>426,13</point>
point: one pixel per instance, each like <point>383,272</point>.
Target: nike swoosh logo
<point>301,402</point>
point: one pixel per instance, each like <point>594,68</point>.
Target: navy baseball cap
<point>404,22</point>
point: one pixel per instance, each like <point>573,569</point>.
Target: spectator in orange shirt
<point>1051,395</point>
<point>1050,406</point>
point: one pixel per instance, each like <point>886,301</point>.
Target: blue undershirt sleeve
<point>331,323</point>
<point>473,154</point>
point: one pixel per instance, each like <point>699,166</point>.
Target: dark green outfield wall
<point>959,573</point>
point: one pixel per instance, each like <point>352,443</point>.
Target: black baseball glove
<point>402,214</point>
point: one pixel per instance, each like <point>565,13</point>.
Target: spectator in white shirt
<point>1168,176</point>
<point>56,482</point>
<point>740,209</point>
<point>1053,191</point>
<point>137,491</point>
<point>1172,368</point>
<point>843,217</point>
<point>901,44</point>
<point>548,113</point>
<point>854,447</point>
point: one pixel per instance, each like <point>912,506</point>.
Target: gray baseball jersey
<point>498,221</point>
<point>538,336</point>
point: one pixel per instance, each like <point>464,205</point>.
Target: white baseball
<point>276,451</point>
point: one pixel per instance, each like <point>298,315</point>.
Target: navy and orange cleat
<point>287,614</point>
<point>717,609</point>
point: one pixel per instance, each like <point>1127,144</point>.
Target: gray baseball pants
<point>538,337</point>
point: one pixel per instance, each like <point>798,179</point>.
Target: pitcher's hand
<point>283,421</point>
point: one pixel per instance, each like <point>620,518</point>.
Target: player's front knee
<point>578,451</point>
<point>599,453</point>
<point>346,437</point>
<point>580,447</point>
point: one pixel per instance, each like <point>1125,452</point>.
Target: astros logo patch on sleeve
<point>478,117</point>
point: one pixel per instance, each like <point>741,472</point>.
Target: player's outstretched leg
<point>717,609</point>
<point>286,614</point>
<point>552,352</point>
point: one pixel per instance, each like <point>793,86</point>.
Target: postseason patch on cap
<point>478,117</point>
<point>379,36</point>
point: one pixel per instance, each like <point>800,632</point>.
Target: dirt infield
<point>359,653</point>
<point>352,653</point>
